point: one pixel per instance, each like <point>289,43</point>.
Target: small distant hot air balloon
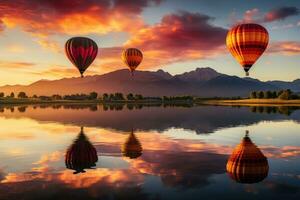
<point>247,164</point>
<point>132,147</point>
<point>247,42</point>
<point>132,58</point>
<point>81,154</point>
<point>81,51</point>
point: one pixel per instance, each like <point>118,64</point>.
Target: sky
<point>174,35</point>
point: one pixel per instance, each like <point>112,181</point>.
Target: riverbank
<point>253,102</point>
<point>13,101</point>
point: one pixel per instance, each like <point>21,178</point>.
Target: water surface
<point>93,152</point>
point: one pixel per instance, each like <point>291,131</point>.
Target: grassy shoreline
<point>253,102</point>
<point>224,102</point>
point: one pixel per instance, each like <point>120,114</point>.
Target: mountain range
<point>203,82</point>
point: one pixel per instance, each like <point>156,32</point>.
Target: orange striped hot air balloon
<point>132,147</point>
<point>81,154</point>
<point>247,42</point>
<point>132,57</point>
<point>247,164</point>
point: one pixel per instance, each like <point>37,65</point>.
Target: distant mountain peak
<point>204,82</point>
<point>199,74</point>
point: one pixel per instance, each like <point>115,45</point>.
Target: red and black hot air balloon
<point>247,164</point>
<point>132,147</point>
<point>247,42</point>
<point>81,154</point>
<point>81,51</point>
<point>132,57</point>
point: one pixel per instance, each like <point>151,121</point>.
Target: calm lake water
<point>96,152</point>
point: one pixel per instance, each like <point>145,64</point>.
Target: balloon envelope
<point>247,42</point>
<point>132,147</point>
<point>132,58</point>
<point>81,51</point>
<point>81,154</point>
<point>247,164</point>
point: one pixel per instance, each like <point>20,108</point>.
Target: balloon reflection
<point>132,147</point>
<point>81,154</point>
<point>247,164</point>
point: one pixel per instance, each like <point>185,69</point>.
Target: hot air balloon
<point>132,58</point>
<point>247,164</point>
<point>81,51</point>
<point>81,154</point>
<point>132,147</point>
<point>247,42</point>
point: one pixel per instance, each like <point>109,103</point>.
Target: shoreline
<point>252,102</point>
<point>217,102</point>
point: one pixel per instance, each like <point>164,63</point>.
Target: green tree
<point>111,97</point>
<point>274,94</point>
<point>34,96</point>
<point>130,97</point>
<point>267,94</point>
<point>1,94</point>
<point>253,95</point>
<point>93,95</point>
<point>138,97</point>
<point>105,97</point>
<point>119,96</point>
<point>260,94</point>
<point>279,93</point>
<point>56,97</point>
<point>285,95</point>
<point>22,95</point>
<point>12,95</point>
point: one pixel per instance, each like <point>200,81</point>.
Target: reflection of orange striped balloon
<point>132,58</point>
<point>247,164</point>
<point>132,148</point>
<point>247,42</point>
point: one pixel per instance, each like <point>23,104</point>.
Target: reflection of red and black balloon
<point>132,147</point>
<point>81,51</point>
<point>81,154</point>
<point>247,164</point>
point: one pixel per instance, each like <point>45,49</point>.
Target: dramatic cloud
<point>280,13</point>
<point>178,37</point>
<point>195,172</point>
<point>73,17</point>
<point>285,47</point>
<point>255,16</point>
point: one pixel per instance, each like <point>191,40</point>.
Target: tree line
<point>282,94</point>
<point>106,97</point>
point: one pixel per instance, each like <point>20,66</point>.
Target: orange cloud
<point>285,47</point>
<point>50,44</point>
<point>73,17</point>
<point>254,16</point>
<point>62,71</point>
<point>15,65</point>
<point>178,37</point>
<point>281,152</point>
<point>280,13</point>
